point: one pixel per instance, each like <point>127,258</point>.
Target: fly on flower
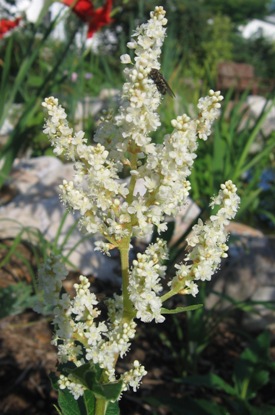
<point>160,82</point>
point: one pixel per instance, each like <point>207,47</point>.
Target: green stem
<point>124,248</point>
<point>128,311</point>
<point>101,406</point>
<point>244,388</point>
<point>132,184</point>
<point>168,295</point>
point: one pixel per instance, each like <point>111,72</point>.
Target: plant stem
<point>245,388</point>
<point>100,406</point>
<point>128,312</point>
<point>168,295</point>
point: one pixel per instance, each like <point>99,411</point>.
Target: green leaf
<point>249,378</point>
<point>69,406</point>
<point>258,349</point>
<point>89,375</point>
<point>249,306</point>
<point>251,370</point>
<point>109,391</point>
<point>89,401</point>
<point>113,409</point>
<point>181,309</point>
<point>265,410</point>
<point>15,299</point>
<point>240,406</point>
<point>210,381</point>
<point>204,407</point>
<point>191,406</point>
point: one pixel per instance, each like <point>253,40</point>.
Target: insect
<point>160,82</point>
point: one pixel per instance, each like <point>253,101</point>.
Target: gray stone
<point>248,275</point>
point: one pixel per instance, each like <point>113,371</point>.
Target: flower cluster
<point>133,377</point>
<point>144,283</point>
<point>74,320</point>
<point>96,189</point>
<point>106,204</point>
<point>67,382</point>
<point>208,243</point>
<point>209,110</point>
<point>78,336</point>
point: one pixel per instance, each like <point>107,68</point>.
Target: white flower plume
<point>118,210</point>
<point>106,204</point>
<point>207,243</point>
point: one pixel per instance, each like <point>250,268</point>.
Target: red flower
<point>96,18</point>
<point>7,25</point>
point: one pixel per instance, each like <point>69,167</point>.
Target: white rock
<point>256,104</point>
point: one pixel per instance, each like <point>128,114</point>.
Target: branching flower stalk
<point>120,210</point>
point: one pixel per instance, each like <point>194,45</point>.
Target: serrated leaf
<point>87,374</point>
<point>70,406</point>
<point>89,400</point>
<point>181,309</point>
<point>109,391</point>
<point>113,409</point>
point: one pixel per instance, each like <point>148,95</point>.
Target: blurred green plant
<point>217,45</point>
<point>252,371</point>
<point>219,37</point>
<point>42,247</point>
<point>15,299</point>
<point>230,153</point>
<point>186,338</point>
<point>34,65</point>
<point>240,11</point>
<point>21,295</point>
<point>258,51</point>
